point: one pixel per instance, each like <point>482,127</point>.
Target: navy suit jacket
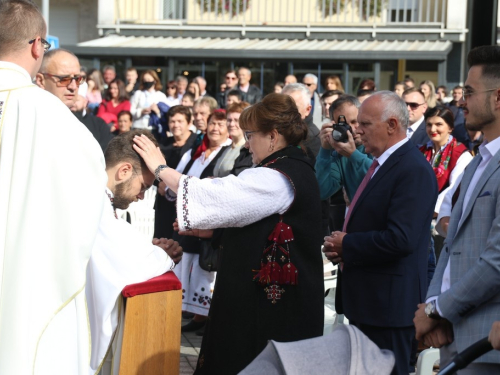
<point>420,137</point>
<point>385,250</point>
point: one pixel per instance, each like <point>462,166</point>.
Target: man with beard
<point>340,164</point>
<point>121,255</point>
<point>464,295</point>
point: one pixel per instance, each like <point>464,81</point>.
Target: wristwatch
<point>431,310</point>
<point>158,170</point>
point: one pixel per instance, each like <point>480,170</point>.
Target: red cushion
<point>162,283</point>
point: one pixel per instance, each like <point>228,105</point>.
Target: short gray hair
<point>312,76</point>
<point>394,106</point>
<point>300,88</point>
<point>343,100</point>
<point>181,78</point>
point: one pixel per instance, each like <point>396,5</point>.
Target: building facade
<point>385,40</point>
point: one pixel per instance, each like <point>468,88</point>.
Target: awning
<point>319,49</point>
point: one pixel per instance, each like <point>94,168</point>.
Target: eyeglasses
<point>248,135</point>
<point>65,81</point>
<point>413,106</point>
<point>232,78</point>
<point>172,87</point>
<point>46,45</point>
<point>468,92</point>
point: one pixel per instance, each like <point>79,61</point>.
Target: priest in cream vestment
<point>51,200</point>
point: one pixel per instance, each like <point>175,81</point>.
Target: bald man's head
<point>57,68</point>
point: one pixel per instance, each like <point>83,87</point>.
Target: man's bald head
<point>61,63</point>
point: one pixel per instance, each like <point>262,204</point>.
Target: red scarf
<point>445,160</point>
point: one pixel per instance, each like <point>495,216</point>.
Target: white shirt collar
<point>415,126</point>
<point>382,159</point>
<point>488,149</point>
<point>9,65</point>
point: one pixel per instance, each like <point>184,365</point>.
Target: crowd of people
<point>398,187</point>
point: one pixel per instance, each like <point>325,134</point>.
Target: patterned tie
<point>361,187</point>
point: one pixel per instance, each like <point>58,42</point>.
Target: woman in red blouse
<point>115,101</point>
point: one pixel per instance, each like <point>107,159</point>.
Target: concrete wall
<point>62,17</point>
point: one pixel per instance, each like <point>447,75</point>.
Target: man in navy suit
<point>383,248</point>
<point>416,105</point>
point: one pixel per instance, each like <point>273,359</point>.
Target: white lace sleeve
<point>232,201</point>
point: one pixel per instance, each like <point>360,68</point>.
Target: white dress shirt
<point>385,155</point>
<point>413,128</point>
<point>486,150</point>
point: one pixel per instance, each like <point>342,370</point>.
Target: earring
<point>271,147</point>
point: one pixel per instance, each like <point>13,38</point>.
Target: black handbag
<point>208,256</point>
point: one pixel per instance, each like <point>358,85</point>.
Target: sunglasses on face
<point>413,106</point>
<point>308,84</point>
<point>66,80</point>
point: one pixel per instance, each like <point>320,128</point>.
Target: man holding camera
<point>343,162</point>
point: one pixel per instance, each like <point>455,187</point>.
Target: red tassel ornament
<point>289,275</point>
<point>276,267</point>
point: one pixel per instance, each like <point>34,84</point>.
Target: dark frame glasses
<point>46,45</point>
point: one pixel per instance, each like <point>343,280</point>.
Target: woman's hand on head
<point>152,155</point>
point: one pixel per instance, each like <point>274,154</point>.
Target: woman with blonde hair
<point>429,91</point>
<point>333,83</point>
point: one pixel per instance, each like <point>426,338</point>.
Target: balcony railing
<point>283,12</point>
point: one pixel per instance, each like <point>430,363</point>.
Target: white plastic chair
<point>426,360</point>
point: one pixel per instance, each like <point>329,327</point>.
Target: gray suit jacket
<point>472,303</point>
<point>317,112</point>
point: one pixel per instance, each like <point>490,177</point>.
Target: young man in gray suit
<point>463,299</point>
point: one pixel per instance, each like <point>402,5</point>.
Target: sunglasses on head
<point>413,106</point>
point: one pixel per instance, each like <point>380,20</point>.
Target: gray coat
<point>472,303</point>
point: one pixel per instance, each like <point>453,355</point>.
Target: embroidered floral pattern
<point>185,210</point>
<point>202,299</point>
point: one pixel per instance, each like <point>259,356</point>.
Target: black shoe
<point>201,331</point>
<point>192,326</point>
<point>187,315</point>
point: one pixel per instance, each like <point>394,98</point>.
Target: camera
<point>340,130</point>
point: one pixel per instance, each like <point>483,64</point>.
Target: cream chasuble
<point>121,256</point>
<point>51,200</point>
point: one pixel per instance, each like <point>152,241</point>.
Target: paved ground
<point>190,343</point>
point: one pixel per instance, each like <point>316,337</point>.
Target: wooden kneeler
<point>152,328</point>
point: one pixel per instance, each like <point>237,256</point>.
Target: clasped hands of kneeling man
<point>171,247</point>
<point>332,247</point>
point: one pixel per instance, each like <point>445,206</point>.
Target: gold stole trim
<point>53,316</point>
